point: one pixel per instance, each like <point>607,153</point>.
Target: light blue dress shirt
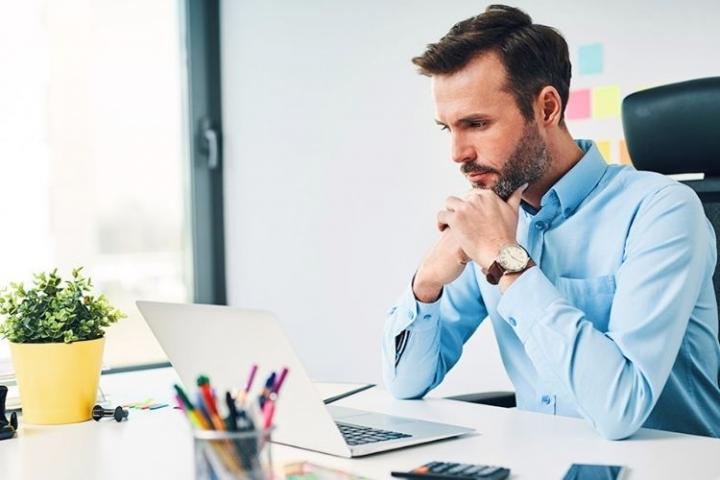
<point>618,323</point>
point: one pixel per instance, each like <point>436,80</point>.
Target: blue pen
<point>269,384</point>
<point>202,409</point>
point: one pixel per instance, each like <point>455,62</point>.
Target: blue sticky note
<point>591,59</point>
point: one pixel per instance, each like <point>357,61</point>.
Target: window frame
<point>200,31</point>
<point>202,36</point>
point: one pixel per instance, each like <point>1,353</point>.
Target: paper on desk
<point>330,390</point>
<point>311,471</point>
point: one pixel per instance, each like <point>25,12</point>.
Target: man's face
<point>491,140</point>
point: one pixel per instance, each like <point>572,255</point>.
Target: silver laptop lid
<point>223,342</point>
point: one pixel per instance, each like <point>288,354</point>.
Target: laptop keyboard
<point>359,435</point>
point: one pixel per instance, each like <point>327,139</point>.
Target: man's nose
<point>462,151</point>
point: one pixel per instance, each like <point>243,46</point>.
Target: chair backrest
<point>675,129</point>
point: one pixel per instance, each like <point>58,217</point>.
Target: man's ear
<point>549,105</point>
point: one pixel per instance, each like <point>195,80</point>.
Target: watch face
<point>513,258</point>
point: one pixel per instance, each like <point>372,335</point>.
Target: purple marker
<point>280,380</point>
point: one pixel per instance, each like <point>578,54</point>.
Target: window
<point>95,155</point>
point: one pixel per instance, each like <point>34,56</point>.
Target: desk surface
<point>157,444</point>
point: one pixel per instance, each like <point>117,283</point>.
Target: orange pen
<point>203,383</point>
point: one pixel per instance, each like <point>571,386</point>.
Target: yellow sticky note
<point>604,147</point>
<point>606,101</point>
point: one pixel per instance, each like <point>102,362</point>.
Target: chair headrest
<point>675,128</point>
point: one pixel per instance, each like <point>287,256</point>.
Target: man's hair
<point>534,56</point>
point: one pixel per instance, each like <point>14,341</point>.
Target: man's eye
<point>480,124</point>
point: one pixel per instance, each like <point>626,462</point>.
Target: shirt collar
<point>580,180</point>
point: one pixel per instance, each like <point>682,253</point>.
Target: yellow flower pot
<point>57,381</point>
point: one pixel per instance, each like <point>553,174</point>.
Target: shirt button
<point>411,315</point>
<point>540,225</point>
<point>512,321</point>
<point>427,317</point>
<point>546,399</point>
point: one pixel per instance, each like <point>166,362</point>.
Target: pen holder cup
<point>232,455</point>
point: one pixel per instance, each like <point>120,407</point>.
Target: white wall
<point>334,168</point>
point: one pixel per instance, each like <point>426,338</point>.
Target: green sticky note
<point>591,59</point>
<point>606,101</point>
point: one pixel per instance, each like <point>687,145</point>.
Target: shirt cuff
<point>526,300</point>
<point>410,312</point>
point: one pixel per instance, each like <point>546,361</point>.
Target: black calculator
<point>455,471</point>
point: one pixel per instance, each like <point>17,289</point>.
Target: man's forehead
<point>482,83</point>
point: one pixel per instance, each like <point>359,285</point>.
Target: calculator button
<point>442,467</point>
<point>473,470</point>
<point>456,469</point>
<point>489,471</point>
<point>464,468</point>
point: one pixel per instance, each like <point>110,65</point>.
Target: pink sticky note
<point>578,104</point>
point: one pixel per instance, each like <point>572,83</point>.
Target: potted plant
<point>56,331</point>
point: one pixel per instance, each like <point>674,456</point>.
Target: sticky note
<point>606,101</point>
<point>624,154</point>
<point>578,106</point>
<point>590,59</point>
<point>604,147</point>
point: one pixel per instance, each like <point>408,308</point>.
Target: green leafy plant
<point>53,312</point>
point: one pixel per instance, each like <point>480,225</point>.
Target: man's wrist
<point>510,278</point>
<point>426,292</point>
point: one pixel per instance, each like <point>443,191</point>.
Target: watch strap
<point>494,273</point>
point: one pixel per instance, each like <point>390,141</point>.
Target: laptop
<point>223,342</point>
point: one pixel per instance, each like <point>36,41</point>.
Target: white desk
<point>157,444</point>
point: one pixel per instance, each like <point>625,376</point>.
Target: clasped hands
<point>482,223</point>
<point>474,228</point>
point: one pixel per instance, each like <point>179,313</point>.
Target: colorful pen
<point>269,384</point>
<point>232,418</point>
<point>280,381</point>
<point>251,378</point>
<point>204,383</point>
<point>201,409</point>
<point>190,411</point>
<point>268,413</point>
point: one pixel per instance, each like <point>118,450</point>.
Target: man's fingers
<point>516,197</point>
<point>453,203</point>
<point>478,192</point>
<point>463,259</point>
<point>443,219</point>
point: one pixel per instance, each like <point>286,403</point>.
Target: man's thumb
<point>514,200</point>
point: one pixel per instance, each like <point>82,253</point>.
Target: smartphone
<point>594,472</point>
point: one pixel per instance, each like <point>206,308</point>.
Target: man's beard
<point>526,164</point>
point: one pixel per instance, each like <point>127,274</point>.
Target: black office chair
<point>675,129</point>
<point>670,129</point>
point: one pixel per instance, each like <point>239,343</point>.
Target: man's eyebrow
<point>472,118</point>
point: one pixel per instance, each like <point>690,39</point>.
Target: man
<point>597,279</point>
